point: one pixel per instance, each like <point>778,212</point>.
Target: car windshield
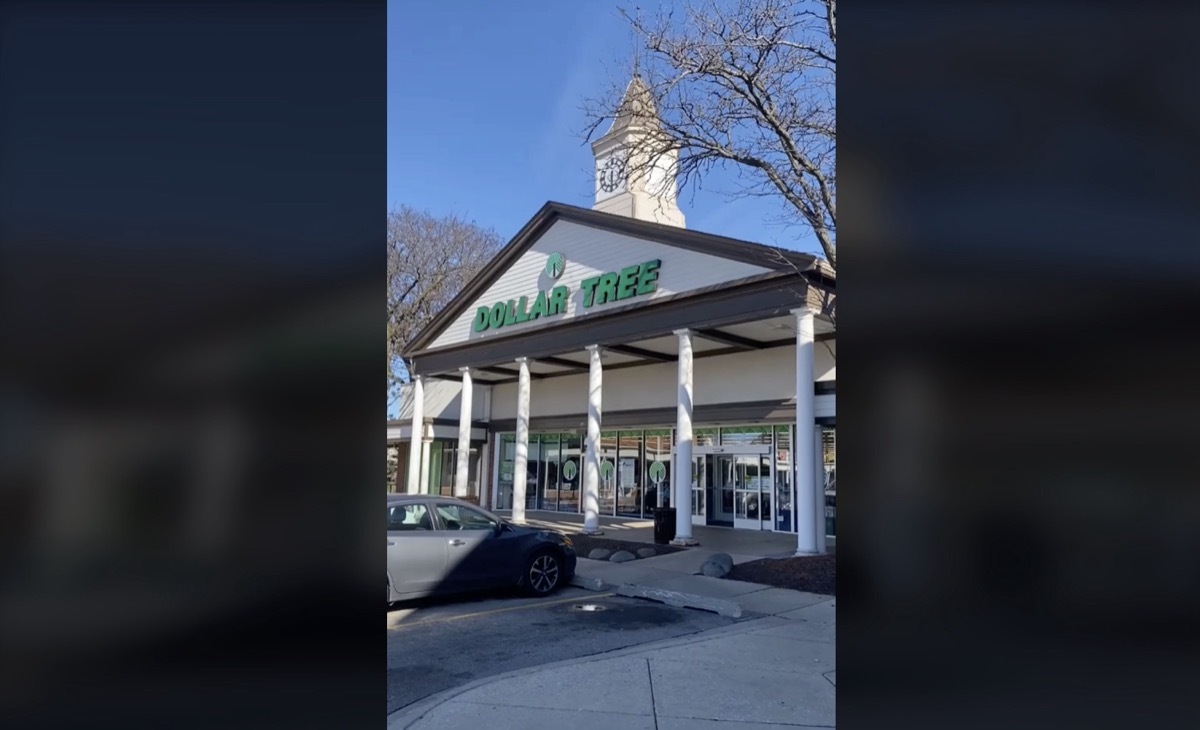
<point>461,517</point>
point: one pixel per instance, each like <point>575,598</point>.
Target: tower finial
<point>636,61</point>
<point>635,45</point>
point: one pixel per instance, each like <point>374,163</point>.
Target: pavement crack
<point>653,705</point>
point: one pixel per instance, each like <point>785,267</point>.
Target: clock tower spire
<point>631,179</point>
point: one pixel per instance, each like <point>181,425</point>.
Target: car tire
<point>543,573</point>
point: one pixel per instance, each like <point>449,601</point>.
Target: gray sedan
<point>440,545</point>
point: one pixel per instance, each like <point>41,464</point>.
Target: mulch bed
<point>812,574</point>
<point>585,544</point>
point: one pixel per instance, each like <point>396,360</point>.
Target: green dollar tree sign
<point>556,263</point>
<point>658,472</point>
<point>570,471</point>
<point>606,470</point>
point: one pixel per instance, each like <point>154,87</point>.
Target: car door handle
<point>456,542</point>
<point>391,542</point>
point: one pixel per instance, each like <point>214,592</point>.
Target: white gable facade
<point>588,254</point>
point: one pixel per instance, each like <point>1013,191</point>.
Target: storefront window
<point>745,435</point>
<point>700,437</point>
<point>504,486</point>
<point>658,468</point>
<point>396,467</point>
<point>446,473</point>
<point>550,471</point>
<point>829,465</point>
<point>629,474</point>
<point>446,470</point>
<point>435,469</point>
<point>784,496</point>
<point>571,473</point>
<point>608,472</point>
<point>533,472</point>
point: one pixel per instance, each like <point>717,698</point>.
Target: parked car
<point>441,545</point>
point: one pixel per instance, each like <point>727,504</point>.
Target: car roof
<point>394,498</point>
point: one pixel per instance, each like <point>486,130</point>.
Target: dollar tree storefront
<point>604,356</point>
<point>741,476</point>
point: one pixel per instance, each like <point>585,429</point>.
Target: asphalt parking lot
<point>435,645</point>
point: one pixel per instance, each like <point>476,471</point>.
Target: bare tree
<point>429,261</point>
<point>742,82</point>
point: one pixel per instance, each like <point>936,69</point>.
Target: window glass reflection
<point>629,473</point>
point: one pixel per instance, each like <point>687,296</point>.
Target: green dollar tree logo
<point>570,471</point>
<point>658,472</point>
<point>555,265</point>
<point>606,470</point>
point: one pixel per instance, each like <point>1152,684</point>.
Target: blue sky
<point>484,114</point>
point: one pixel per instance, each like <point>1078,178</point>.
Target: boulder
<point>599,554</point>
<point>722,559</point>
<point>717,566</point>
<point>622,556</point>
<point>647,552</point>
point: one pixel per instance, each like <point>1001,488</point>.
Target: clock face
<point>612,174</point>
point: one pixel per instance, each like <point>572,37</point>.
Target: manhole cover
<point>587,607</point>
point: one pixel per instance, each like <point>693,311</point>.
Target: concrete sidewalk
<point>774,667</point>
<point>757,674</point>
<point>759,544</point>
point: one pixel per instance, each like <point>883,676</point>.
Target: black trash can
<point>664,525</point>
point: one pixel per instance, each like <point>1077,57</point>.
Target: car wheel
<point>543,574</point>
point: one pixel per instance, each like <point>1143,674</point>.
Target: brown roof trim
<point>730,248</point>
<point>734,249</point>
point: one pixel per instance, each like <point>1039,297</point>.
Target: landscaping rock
<point>718,566</point>
<point>622,556</point>
<point>599,554</point>
<point>724,560</point>
<point>647,552</point>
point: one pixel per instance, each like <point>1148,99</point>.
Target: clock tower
<point>628,181</point>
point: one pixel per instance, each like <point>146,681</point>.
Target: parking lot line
<point>455,617</point>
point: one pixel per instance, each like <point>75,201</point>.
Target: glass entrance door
<point>700,482</point>
<point>733,487</point>
<point>722,478</point>
<point>752,491</point>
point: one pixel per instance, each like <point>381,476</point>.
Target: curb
<point>407,716</point>
<point>589,583</point>
<point>719,606</point>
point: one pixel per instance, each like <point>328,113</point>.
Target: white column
<point>683,444</point>
<point>591,468</point>
<point>462,469</point>
<point>426,446</point>
<point>418,432</point>
<point>804,455</point>
<point>521,460</point>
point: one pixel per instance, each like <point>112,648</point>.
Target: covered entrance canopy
<point>582,292</point>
